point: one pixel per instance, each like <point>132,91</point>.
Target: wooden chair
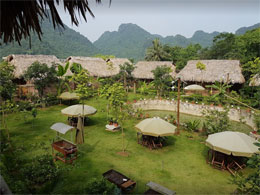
<point>218,160</point>
<point>235,164</point>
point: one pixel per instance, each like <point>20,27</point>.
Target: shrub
<point>216,121</point>
<point>100,186</point>
<point>192,125</point>
<point>257,122</point>
<point>39,173</point>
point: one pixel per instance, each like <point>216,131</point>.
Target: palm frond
<point>18,19</point>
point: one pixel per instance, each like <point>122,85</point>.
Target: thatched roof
<point>144,69</point>
<point>98,67</point>
<point>215,70</point>
<point>22,62</point>
<point>255,80</point>
<point>18,19</point>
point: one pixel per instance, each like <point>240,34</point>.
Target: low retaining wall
<point>235,114</point>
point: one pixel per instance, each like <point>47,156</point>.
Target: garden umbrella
<point>156,127</point>
<point>68,96</point>
<point>235,143</point>
<point>194,88</point>
<point>61,128</point>
<point>80,132</point>
<point>76,110</point>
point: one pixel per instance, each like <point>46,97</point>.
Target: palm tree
<point>156,52</point>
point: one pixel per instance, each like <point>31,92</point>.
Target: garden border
<point>235,114</point>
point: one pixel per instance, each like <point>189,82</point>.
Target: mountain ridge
<point>131,40</point>
<point>59,42</point>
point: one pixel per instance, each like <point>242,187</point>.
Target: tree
<point>156,52</point>
<point>63,80</point>
<point>20,18</point>
<point>180,55</point>
<point>7,87</point>
<point>224,46</point>
<point>162,78</point>
<point>83,87</point>
<point>126,73</point>
<point>41,75</point>
<point>251,183</point>
<point>251,68</point>
<point>83,84</point>
<point>116,96</point>
<point>145,88</point>
<point>216,121</point>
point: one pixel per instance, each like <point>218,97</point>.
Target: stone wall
<point>235,114</point>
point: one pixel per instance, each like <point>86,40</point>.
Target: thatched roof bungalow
<point>255,81</point>
<point>144,69</point>
<point>22,62</point>
<point>215,70</point>
<point>98,67</point>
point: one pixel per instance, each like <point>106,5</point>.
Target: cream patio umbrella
<point>78,110</point>
<point>194,88</point>
<point>68,96</point>
<point>155,127</point>
<point>235,143</point>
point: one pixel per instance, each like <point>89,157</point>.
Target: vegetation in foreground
<point>181,163</point>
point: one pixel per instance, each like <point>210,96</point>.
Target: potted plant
<point>115,123</point>
<point>110,121</point>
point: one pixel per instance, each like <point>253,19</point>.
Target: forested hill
<point>54,42</point>
<point>131,40</point>
<point>243,30</point>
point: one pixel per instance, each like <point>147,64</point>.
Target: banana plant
<point>220,87</point>
<point>63,80</point>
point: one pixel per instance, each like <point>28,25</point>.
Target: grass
<point>180,166</point>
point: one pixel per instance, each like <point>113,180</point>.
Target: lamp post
<point>178,103</point>
<point>178,106</point>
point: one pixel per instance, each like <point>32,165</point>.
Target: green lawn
<point>180,166</point>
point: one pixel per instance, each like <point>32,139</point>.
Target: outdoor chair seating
<point>151,142</point>
<point>122,182</point>
<point>235,164</point>
<point>218,160</point>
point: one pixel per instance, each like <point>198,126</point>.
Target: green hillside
<point>58,42</point>
<point>131,41</point>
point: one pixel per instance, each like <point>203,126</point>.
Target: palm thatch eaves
<point>22,62</point>
<point>98,67</point>
<point>215,70</point>
<point>144,69</point>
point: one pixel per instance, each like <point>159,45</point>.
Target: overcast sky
<point>168,17</point>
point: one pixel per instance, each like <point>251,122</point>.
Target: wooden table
<point>123,182</point>
<point>67,149</point>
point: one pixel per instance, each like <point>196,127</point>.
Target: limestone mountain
<point>59,42</point>
<point>131,41</point>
